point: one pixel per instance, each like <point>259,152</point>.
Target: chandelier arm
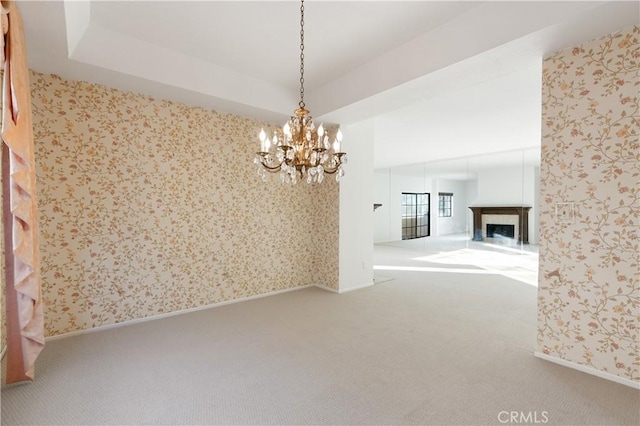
<point>333,170</point>
<point>338,156</point>
<point>270,168</point>
<point>273,169</point>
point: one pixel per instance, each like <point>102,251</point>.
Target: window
<point>445,203</point>
<point>415,215</point>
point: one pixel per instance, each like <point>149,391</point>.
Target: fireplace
<point>520,224</point>
<point>495,230</point>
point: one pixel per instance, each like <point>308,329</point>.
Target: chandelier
<point>298,150</point>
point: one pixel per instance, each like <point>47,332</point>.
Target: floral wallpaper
<point>589,293</point>
<point>3,318</point>
<point>149,206</point>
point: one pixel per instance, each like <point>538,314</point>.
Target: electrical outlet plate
<point>565,212</point>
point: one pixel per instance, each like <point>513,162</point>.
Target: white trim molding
<point>346,290</point>
<point>358,287</point>
<point>588,370</point>
<point>170,314</point>
<point>324,287</point>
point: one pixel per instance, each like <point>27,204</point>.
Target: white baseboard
<point>358,287</point>
<point>588,370</point>
<point>346,290</point>
<point>170,314</point>
<point>324,287</point>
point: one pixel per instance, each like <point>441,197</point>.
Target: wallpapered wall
<point>149,206</point>
<point>589,295</point>
<point>3,319</point>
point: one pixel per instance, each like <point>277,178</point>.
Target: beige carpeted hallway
<point>420,347</point>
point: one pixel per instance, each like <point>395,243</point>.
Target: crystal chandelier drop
<point>299,150</point>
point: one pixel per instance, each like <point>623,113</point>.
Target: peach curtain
<point>25,321</point>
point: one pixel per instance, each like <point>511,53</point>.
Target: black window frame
<point>415,213</point>
<point>445,204</point>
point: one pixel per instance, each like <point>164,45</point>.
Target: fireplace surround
<point>521,211</point>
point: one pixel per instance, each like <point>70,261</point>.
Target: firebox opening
<point>497,230</point>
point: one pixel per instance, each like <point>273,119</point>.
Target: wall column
<point>588,293</point>
<point>356,208</point>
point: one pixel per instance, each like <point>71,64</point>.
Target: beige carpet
<point>422,348</point>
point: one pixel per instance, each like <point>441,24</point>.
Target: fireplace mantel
<point>521,211</point>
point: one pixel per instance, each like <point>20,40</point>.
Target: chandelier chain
<point>301,103</point>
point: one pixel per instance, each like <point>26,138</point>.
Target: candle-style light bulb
<point>262,137</point>
<point>267,144</point>
<point>275,139</point>
<point>337,141</point>
<point>320,131</point>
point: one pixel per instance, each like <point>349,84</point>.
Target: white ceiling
<point>440,80</point>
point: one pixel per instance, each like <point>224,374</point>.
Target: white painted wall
<point>535,211</point>
<point>398,184</point>
<point>511,186</point>
<point>458,222</point>
<point>391,183</point>
<point>356,208</point>
<point>433,185</point>
<point>500,186</point>
<point>389,186</point>
<point>472,196</point>
<point>505,186</point>
<point>381,215</point>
